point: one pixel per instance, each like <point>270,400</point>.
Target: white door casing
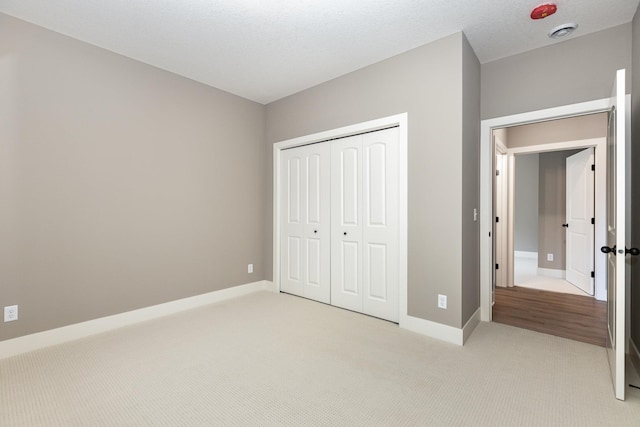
<point>486,193</point>
<point>578,221</point>
<point>616,211</point>
<point>599,144</point>
<point>501,232</point>
<point>306,222</point>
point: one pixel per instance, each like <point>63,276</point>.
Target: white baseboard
<point>434,330</point>
<point>19,345</point>
<point>470,326</point>
<point>550,272</point>
<point>525,254</point>
<point>270,286</point>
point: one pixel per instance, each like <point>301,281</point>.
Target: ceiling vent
<point>562,30</point>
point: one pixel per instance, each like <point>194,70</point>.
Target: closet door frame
<point>399,120</point>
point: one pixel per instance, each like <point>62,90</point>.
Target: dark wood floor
<point>575,317</point>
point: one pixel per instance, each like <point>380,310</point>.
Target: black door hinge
<point>497,172</point>
<point>593,167</point>
<point>497,219</point>
<point>593,220</point>
<point>593,274</point>
<point>497,266</point>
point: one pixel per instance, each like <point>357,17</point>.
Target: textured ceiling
<point>267,49</point>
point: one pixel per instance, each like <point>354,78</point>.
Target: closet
<point>339,222</point>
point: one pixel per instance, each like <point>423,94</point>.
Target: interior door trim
<point>600,191</point>
<point>486,176</point>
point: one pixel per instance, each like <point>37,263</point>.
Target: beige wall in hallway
<point>121,185</point>
<point>563,130</point>
<point>525,202</point>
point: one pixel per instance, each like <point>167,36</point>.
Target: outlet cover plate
<point>11,313</point>
<point>442,301</point>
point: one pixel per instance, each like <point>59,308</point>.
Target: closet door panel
<point>377,284</point>
<point>346,219</point>
<point>379,228</point>
<point>317,218</point>
<point>292,251</point>
<point>349,186</point>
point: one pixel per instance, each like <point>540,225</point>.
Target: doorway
<point>487,266</point>
<point>618,142</point>
<point>554,221</point>
<point>544,231</point>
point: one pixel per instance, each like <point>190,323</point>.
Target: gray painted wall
<point>115,183</point>
<point>576,70</point>
<point>635,178</point>
<point>470,181</point>
<point>99,149</point>
<point>525,224</point>
<point>426,82</point>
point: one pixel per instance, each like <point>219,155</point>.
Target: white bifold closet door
<point>364,223</point>
<point>305,222</point>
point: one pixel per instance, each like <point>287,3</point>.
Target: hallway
<point>575,317</point>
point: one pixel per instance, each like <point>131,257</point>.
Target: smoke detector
<point>562,30</point>
<point>543,11</point>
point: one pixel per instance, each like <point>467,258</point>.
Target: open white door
<point>615,248</point>
<point>580,219</point>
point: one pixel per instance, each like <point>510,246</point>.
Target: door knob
<point>315,231</point>
<point>607,250</point>
<point>632,251</point>
<point>345,233</point>
<point>565,225</point>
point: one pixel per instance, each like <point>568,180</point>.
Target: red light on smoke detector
<point>543,11</point>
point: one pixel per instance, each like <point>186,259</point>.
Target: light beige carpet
<point>273,359</point>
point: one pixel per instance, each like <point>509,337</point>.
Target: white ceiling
<point>264,50</point>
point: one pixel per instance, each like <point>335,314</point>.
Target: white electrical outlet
<point>549,257</point>
<point>442,301</point>
<point>11,313</point>
<point>250,268</point>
